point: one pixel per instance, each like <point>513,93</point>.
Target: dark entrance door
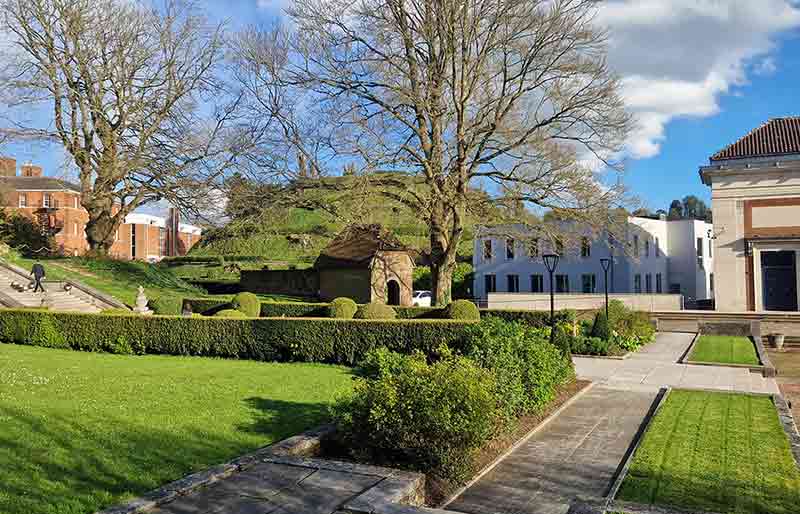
<point>393,292</point>
<point>779,281</point>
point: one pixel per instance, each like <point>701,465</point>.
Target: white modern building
<point>653,256</point>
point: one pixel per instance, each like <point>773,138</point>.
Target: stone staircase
<point>60,296</point>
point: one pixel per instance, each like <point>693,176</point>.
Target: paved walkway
<point>575,457</point>
<point>656,365</point>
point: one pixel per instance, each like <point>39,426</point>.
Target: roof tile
<point>778,136</point>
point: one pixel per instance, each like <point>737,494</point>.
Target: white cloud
<point>677,57</point>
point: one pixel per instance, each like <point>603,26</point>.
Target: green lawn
<point>724,350</point>
<point>81,431</point>
<point>718,452</point>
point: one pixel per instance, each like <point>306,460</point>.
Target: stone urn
<point>778,340</point>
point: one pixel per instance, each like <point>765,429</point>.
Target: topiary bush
<point>430,417</point>
<point>166,305</point>
<point>601,328</point>
<point>343,308</point>
<point>375,311</point>
<point>248,303</point>
<point>230,313</point>
<point>462,309</point>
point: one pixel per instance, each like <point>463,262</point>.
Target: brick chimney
<point>29,170</point>
<point>8,167</point>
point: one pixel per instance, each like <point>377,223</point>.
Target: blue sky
<point>697,75</point>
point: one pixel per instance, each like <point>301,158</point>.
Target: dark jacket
<point>38,271</point>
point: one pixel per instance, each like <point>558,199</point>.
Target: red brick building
<point>56,203</point>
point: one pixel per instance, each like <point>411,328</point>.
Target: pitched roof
<point>39,184</point>
<point>355,246</point>
<point>778,136</point>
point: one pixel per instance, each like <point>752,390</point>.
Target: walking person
<point>37,271</point>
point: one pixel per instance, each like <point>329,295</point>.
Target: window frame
<point>592,283</point>
<point>512,279</point>
<point>511,251</point>
<point>562,283</point>
<point>537,279</point>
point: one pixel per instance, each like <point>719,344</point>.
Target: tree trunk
<point>443,261</point>
<point>100,231</point>
<point>442,283</point>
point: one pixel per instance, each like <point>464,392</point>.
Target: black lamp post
<point>550,262</point>
<point>606,264</point>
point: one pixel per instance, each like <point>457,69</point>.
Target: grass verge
<point>724,350</point>
<point>718,452</point>
<point>82,431</point>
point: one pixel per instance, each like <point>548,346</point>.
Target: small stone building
<point>368,264</point>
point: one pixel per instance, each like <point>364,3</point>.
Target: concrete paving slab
<point>574,458</point>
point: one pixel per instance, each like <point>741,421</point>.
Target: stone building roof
<point>778,136</point>
<point>20,183</point>
<point>356,245</point>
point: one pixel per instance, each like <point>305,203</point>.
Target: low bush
<point>527,367</point>
<point>462,309</point>
<point>284,339</point>
<point>375,311</point>
<point>601,328</point>
<point>166,305</point>
<point>248,303</point>
<point>230,313</point>
<point>343,308</point>
<point>430,417</point>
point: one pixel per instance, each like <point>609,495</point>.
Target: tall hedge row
<point>281,339</point>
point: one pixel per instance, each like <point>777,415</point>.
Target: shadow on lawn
<point>56,465</point>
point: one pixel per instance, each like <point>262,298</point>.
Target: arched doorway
<point>392,292</point>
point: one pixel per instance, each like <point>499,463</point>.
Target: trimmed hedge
<point>344,308</point>
<point>281,339</point>
<point>248,303</point>
<point>375,311</point>
<point>166,305</point>
<point>230,313</point>
<point>462,309</point>
<point>322,310</point>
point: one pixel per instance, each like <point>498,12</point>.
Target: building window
<point>711,282</point>
<point>589,283</point>
<point>699,246</point>
<point>533,248</point>
<point>658,248</point>
<point>23,200</point>
<point>490,283</point>
<point>586,248</point>
<point>659,289</point>
<point>647,248</point>
<point>133,241</point>
<point>635,246</point>
<point>562,283</point>
<point>710,247</point>
<point>513,283</point>
<point>487,250</point>
<point>648,283</point>
<point>162,241</point>
<point>637,284</point>
<point>509,249</point>
<point>46,200</point>
<point>537,283</point>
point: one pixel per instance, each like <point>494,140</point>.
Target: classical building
<point>55,203</point>
<point>653,256</point>
<point>755,194</point>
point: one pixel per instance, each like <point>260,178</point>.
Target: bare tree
<point>513,96</point>
<point>128,88</point>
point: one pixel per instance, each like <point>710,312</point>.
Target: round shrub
<point>230,313</point>
<point>428,417</point>
<point>601,327</point>
<point>248,303</point>
<point>166,305</point>
<point>343,308</point>
<point>463,310</point>
<point>375,311</point>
